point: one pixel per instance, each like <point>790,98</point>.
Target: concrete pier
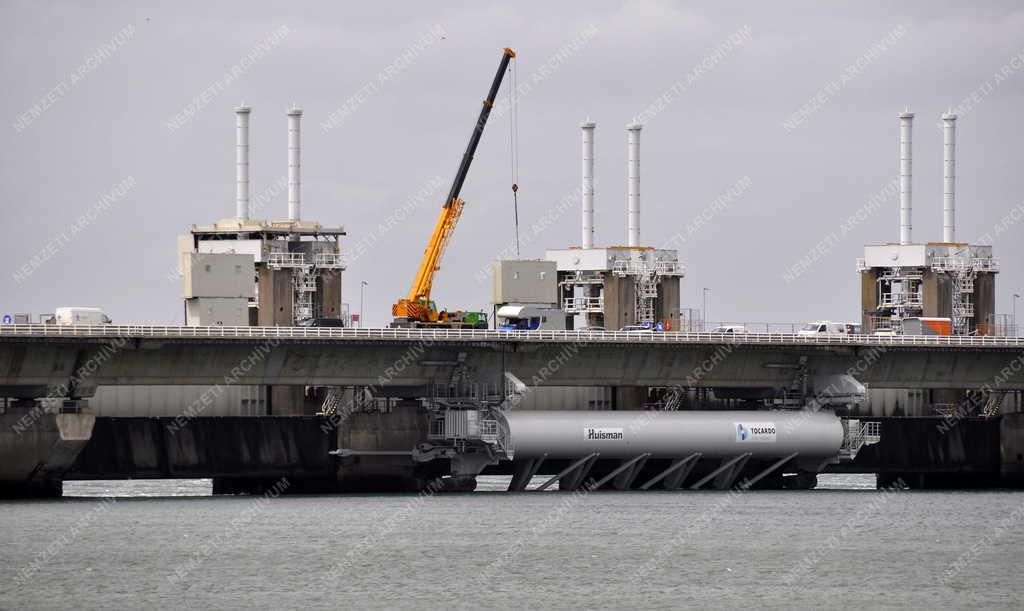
<point>38,448</point>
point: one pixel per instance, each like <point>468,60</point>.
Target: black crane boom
<point>478,129</point>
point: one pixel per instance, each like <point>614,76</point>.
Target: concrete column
<point>37,450</point>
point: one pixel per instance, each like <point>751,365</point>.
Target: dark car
<point>321,322</point>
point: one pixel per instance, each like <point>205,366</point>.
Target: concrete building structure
<point>947,279</point>
<point>246,271</point>
<point>616,286</point>
<point>286,271</point>
<point>524,281</point>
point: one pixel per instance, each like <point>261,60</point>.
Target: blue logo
<point>741,432</point>
<point>8,319</point>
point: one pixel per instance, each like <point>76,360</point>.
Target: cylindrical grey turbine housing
<point>717,434</point>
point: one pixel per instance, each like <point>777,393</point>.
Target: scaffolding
<point>592,302</point>
<point>962,271</point>
<point>647,275</point>
<point>899,297</point>
<point>618,285</point>
<point>304,277</point>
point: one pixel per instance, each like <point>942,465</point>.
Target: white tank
<point>717,434</point>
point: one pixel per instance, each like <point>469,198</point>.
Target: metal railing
<point>329,260</point>
<point>583,305</point>
<point>487,335</point>
<point>286,259</point>
<point>636,267</point>
<point>908,300</point>
<point>953,264</point>
<point>860,434</point>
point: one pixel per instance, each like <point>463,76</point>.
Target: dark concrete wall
<point>40,445</point>
<point>206,447</point>
<point>619,302</point>
<point>985,303</point>
<point>938,295</point>
<point>666,306</point>
<point>397,430</point>
<point>276,294</point>
<point>249,454</point>
<point>921,445</point>
<point>868,298</point>
<point>288,401</point>
<point>328,296</point>
<point>275,297</point>
<point>1011,447</point>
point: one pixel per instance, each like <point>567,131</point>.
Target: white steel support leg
<point>576,465</point>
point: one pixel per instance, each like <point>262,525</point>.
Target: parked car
<point>637,328</point>
<point>729,329</point>
<point>595,329</point>
<point>321,322</point>
<point>822,326</point>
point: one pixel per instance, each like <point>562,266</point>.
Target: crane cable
<point>514,147</point>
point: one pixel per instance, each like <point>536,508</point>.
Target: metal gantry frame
<point>900,289</point>
<point>963,269</point>
<point>305,274</point>
<point>588,303</point>
<point>899,294</point>
<point>647,275</point>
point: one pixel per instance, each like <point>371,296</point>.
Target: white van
<point>531,318</point>
<point>822,326</point>
<point>80,316</point>
<point>737,329</point>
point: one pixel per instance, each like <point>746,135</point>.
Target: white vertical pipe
<point>587,128</point>
<point>906,169</point>
<point>949,178</point>
<point>294,164</point>
<point>242,162</point>
<point>634,183</point>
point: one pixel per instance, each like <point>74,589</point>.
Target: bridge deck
<point>78,332</point>
<point>37,360</point>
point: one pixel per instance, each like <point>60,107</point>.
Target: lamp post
<point>362,285</point>
<point>704,312</point>
<point>1014,307</point>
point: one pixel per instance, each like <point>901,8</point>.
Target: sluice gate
<point>625,450</point>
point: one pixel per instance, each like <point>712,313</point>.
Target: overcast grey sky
<point>120,116</point>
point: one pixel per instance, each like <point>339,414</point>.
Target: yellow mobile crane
<point>417,309</point>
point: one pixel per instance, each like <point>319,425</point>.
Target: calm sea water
<point>170,544</point>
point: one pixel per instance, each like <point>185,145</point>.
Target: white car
<point>729,329</point>
<point>822,326</point>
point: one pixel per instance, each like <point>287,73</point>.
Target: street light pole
<point>361,286</point>
<point>1014,302</point>
<point>704,312</point>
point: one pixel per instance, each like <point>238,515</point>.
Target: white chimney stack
<point>949,178</point>
<point>294,164</point>
<point>587,128</point>
<point>634,183</point>
<point>242,162</point>
<point>906,129</point>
